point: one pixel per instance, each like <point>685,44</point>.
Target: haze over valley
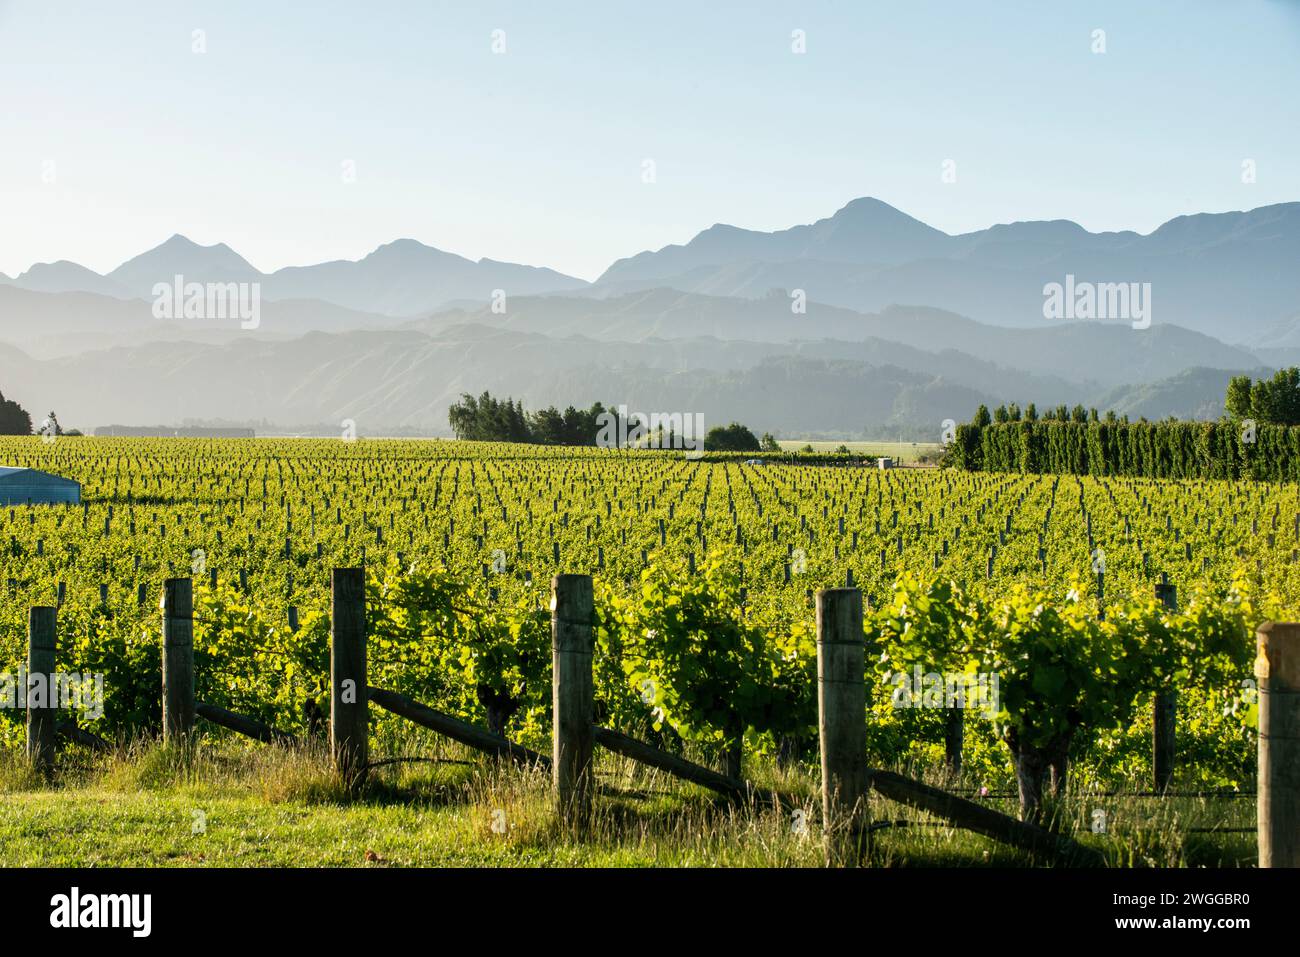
<point>864,323</point>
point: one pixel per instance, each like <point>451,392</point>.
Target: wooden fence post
<point>178,658</point>
<point>349,700</point>
<point>1277,669</point>
<point>572,695</point>
<point>41,713</point>
<point>953,732</point>
<point>842,722</point>
<point>1164,716</point>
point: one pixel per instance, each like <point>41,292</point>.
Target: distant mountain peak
<point>179,241</point>
<point>66,276</point>
<point>405,242</point>
<point>181,244</point>
<point>1260,223</point>
<point>868,205</point>
<point>59,265</point>
<point>724,228</point>
<point>410,253</point>
<point>181,256</point>
<point>867,229</point>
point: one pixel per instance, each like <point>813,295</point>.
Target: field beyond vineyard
<point>705,576</point>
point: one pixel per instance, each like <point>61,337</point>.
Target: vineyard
<point>1107,610</point>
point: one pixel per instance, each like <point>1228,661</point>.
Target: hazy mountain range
<point>401,278</point>
<point>864,322</point>
<point>1229,275</point>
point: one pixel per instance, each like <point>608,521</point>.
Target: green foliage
<point>452,626</point>
<point>923,623</point>
<point>443,640</point>
<point>1275,401</point>
<point>1065,679</point>
<point>246,664</point>
<point>1237,401</point>
<point>486,419</point>
<point>705,669</point>
<point>14,419</point>
<point>731,438</point>
<point>1059,670</point>
<point>1164,450</point>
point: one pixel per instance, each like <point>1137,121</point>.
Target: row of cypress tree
<point>1171,449</point>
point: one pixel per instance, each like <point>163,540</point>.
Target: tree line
<point>1259,438</point>
<point>488,419</point>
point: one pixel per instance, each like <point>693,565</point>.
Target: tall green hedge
<point>1150,449</point>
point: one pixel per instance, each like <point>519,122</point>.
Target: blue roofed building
<point>19,486</point>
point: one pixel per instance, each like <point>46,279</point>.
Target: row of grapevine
<point>705,572</point>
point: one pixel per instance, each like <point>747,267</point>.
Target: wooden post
<point>42,695</point>
<point>572,695</point>
<point>1164,717</point>
<point>842,722</point>
<point>349,699</point>
<point>178,658</point>
<point>953,732</point>
<point>1277,669</point>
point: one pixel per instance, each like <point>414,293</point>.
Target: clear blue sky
<point>535,155</point>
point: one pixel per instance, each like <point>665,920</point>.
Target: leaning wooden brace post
<point>842,722</point>
<point>349,699</point>
<point>42,694</point>
<point>1164,716</point>
<point>572,698</point>
<point>177,659</point>
<point>1277,669</point>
